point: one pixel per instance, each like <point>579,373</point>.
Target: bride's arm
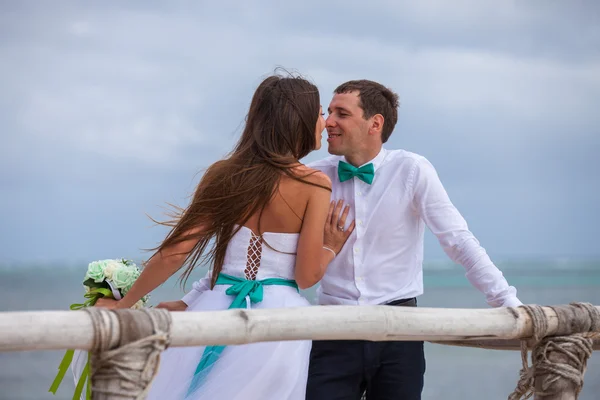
<point>159,268</point>
<point>320,240</point>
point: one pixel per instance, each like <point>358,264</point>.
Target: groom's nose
<point>330,121</point>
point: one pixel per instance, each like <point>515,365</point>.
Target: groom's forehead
<point>344,101</point>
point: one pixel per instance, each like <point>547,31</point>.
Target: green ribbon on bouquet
<point>92,296</point>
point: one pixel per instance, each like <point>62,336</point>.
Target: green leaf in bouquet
<point>127,262</point>
<point>94,285</point>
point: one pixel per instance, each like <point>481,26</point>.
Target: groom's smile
<point>332,135</point>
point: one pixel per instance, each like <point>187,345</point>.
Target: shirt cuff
<point>512,302</point>
<point>191,296</point>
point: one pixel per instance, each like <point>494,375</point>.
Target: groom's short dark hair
<point>374,98</point>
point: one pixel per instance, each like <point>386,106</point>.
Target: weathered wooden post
<point>560,364</point>
<point>559,360</point>
<point>126,351</point>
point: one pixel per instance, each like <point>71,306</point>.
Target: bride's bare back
<point>285,212</point>
<point>298,207</point>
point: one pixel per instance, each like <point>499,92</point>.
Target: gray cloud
<point>110,109</point>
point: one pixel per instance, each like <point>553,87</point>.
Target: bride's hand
<point>111,304</point>
<point>336,233</point>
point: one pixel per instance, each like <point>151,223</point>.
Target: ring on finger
<point>340,228</point>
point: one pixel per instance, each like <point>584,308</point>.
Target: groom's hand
<point>178,305</point>
<point>336,233</point>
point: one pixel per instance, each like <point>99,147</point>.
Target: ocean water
<point>452,372</point>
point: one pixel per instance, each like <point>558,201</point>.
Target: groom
<point>393,195</point>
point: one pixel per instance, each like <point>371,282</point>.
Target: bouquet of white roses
<point>104,278</point>
<point>109,278</point>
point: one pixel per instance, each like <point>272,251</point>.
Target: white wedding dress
<point>265,371</point>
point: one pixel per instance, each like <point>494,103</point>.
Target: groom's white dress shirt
<point>382,260</point>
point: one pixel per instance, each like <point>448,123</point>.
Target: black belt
<point>412,302</point>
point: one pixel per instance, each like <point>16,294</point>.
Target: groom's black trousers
<point>344,369</point>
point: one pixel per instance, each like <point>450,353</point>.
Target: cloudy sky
<point>109,110</point>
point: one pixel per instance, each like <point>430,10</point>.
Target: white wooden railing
<point>47,330</point>
<point>498,328</point>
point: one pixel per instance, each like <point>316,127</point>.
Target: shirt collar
<point>377,161</point>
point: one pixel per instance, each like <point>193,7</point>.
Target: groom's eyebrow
<point>338,109</point>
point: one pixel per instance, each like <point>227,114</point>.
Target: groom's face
<point>346,128</point>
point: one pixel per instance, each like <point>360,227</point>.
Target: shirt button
<point>359,193</point>
<point>356,250</point>
<point>360,222</point>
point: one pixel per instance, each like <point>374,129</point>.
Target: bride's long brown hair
<point>280,129</point>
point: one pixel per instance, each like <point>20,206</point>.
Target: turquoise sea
<point>452,372</point>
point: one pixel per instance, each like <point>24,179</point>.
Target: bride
<point>258,217</point>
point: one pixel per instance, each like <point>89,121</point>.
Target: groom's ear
<point>377,121</point>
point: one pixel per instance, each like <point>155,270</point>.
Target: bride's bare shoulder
<point>313,176</point>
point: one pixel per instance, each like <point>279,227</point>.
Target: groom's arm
<point>443,219</point>
<point>198,288</point>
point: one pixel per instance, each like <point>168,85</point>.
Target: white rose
<point>110,268</point>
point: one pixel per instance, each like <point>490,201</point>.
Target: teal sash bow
<point>240,288</point>
<point>347,171</point>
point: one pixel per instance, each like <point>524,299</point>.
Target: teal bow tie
<point>347,171</point>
